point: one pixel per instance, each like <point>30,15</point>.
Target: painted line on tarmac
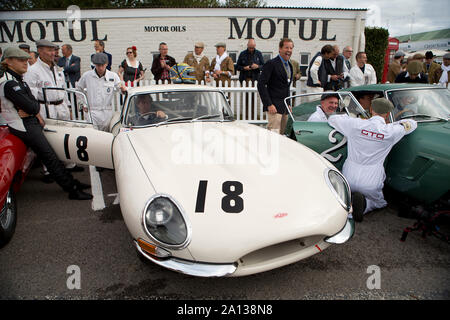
<point>98,201</point>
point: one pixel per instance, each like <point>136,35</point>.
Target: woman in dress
<point>131,69</point>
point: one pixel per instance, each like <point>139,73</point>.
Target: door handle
<point>300,131</point>
<point>49,130</point>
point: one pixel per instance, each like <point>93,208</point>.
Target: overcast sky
<point>400,17</point>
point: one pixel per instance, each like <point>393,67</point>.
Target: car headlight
<point>164,222</point>
<point>340,188</point>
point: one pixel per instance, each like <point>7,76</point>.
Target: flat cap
<point>13,52</point>
<point>446,56</point>
<point>325,95</point>
<point>399,54</point>
<point>199,44</point>
<point>100,58</point>
<point>220,44</point>
<point>45,43</point>
<point>24,46</point>
<point>414,67</point>
<point>382,105</point>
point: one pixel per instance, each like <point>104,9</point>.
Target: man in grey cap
<point>45,73</point>
<point>100,85</point>
<point>199,62</point>
<point>395,67</point>
<point>369,143</point>
<point>413,73</point>
<point>20,110</point>
<point>222,66</point>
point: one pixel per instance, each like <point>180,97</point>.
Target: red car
<point>15,162</point>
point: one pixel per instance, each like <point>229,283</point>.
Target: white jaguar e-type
<point>206,195</point>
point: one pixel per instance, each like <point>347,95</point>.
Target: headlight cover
<point>165,223</point>
<point>339,186</point>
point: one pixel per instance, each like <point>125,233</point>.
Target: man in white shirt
<point>363,73</point>
<point>100,84</point>
<point>316,73</point>
<point>44,73</point>
<point>328,105</point>
<point>368,144</point>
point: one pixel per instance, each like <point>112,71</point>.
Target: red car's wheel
<point>8,218</point>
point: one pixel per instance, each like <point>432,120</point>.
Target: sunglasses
<point>128,52</point>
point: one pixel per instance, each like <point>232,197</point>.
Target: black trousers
<point>34,138</point>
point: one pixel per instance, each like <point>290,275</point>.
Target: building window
<point>155,54</point>
<point>304,62</point>
<point>233,55</point>
<point>267,56</point>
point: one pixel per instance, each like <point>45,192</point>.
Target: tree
<point>376,45</point>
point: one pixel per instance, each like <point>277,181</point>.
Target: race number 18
<point>81,144</point>
<point>231,202</point>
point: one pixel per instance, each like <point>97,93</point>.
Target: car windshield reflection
<point>421,104</point>
<point>153,109</point>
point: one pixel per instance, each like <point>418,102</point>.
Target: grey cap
<point>446,56</point>
<point>14,52</point>
<point>399,54</point>
<point>45,43</point>
<point>100,58</point>
<point>382,105</point>
<point>24,46</point>
<point>199,44</point>
<point>220,44</point>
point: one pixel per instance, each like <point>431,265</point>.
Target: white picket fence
<point>244,100</point>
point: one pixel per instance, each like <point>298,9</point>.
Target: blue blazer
<point>72,72</point>
<point>273,84</point>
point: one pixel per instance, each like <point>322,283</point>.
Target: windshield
<point>155,108</point>
<point>318,107</point>
<point>421,104</point>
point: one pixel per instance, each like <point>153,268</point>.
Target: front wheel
<point>8,218</point>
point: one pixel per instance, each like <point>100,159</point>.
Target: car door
<point>320,136</point>
<point>77,140</point>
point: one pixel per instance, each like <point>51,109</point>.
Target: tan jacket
<point>437,75</point>
<point>200,68</point>
<point>394,69</point>
<point>225,66</point>
<point>432,71</point>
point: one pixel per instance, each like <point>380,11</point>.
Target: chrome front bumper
<point>344,235</point>
<point>190,267</point>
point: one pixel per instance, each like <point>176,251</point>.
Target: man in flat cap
<point>329,102</point>
<point>430,67</point>
<point>45,73</point>
<point>369,143</point>
<point>413,73</point>
<point>395,67</point>
<point>199,62</point>
<point>100,85</point>
<point>20,110</point>
<point>222,66</point>
<point>442,74</point>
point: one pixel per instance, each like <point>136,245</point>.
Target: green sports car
<point>419,165</point>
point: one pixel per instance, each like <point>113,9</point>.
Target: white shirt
<point>370,141</point>
<point>318,116</point>
<point>314,71</point>
<point>100,91</point>
<point>357,78</point>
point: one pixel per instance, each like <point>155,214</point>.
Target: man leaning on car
<point>20,109</point>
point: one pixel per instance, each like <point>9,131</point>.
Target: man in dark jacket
<point>334,68</point>
<point>20,110</point>
<point>274,86</point>
<point>413,74</point>
<point>162,63</point>
<point>317,75</point>
<point>71,65</point>
<point>249,63</point>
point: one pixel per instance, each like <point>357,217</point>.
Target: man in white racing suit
<point>368,144</point>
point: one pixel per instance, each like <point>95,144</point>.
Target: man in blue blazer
<point>274,86</point>
<point>71,65</point>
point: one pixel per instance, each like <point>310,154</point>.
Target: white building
<point>180,28</point>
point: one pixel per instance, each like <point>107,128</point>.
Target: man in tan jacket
<point>430,67</point>
<point>199,62</point>
<point>222,66</point>
<point>395,67</point>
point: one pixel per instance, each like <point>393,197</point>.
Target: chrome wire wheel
<point>8,218</point>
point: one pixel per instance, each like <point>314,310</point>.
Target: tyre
<point>8,218</point>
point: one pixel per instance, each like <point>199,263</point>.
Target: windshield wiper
<point>173,120</point>
<point>207,116</point>
<point>422,115</point>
